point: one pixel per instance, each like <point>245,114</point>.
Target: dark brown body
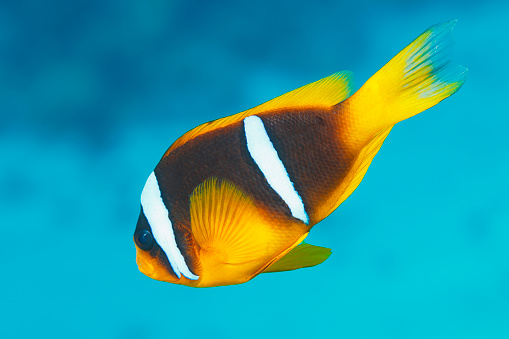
<point>307,143</point>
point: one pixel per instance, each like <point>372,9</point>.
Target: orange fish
<point>236,197</point>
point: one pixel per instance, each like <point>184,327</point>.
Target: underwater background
<point>93,92</point>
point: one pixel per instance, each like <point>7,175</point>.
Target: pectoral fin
<point>234,238</point>
<point>304,255</point>
<point>226,223</point>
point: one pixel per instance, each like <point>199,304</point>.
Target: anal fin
<point>361,164</point>
<point>303,255</point>
<point>355,174</point>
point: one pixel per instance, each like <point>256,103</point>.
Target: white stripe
<point>162,229</point>
<point>265,156</point>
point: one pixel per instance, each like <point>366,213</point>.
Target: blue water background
<point>93,92</point>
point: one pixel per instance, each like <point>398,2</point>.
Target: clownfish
<point>235,197</point>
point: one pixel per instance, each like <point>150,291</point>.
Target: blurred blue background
<point>93,92</point>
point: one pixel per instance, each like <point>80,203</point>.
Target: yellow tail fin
<point>417,78</point>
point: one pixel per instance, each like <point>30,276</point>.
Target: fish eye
<point>144,240</point>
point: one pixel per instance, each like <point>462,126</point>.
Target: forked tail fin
<point>417,78</point>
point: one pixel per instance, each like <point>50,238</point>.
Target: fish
<point>237,196</point>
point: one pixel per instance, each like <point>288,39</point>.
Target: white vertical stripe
<point>157,215</point>
<point>265,156</point>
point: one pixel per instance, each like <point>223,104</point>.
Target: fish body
<point>236,197</point>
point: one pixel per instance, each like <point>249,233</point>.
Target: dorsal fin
<point>325,92</point>
<point>322,93</point>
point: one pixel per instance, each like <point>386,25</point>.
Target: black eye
<point>144,240</point>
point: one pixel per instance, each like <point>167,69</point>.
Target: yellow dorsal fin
<point>322,93</point>
<point>304,255</point>
<point>357,172</point>
<point>325,92</point>
<point>226,224</point>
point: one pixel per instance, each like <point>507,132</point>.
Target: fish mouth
<point>152,268</point>
<point>145,265</point>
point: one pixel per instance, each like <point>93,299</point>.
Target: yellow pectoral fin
<point>361,165</point>
<point>234,238</point>
<point>304,255</point>
<point>322,93</point>
<point>225,221</point>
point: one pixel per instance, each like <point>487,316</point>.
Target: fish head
<point>212,266</point>
<point>151,258</point>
